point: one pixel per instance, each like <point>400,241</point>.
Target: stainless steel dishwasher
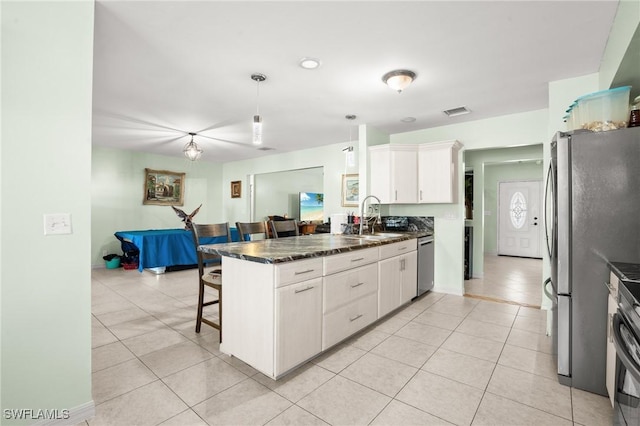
<point>425,264</point>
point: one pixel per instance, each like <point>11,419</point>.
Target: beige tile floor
<point>510,279</point>
<point>442,360</point>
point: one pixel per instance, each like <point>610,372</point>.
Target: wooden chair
<point>247,230</point>
<point>211,277</point>
<point>284,228</point>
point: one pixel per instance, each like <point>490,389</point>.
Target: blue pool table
<point>166,247</point>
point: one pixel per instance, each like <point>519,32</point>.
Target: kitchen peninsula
<point>287,300</point>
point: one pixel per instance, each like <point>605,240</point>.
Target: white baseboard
<point>75,415</point>
<point>457,291</point>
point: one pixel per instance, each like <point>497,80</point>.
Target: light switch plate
<point>57,223</point>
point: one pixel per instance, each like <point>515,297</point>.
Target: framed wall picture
<point>236,189</point>
<point>164,188</point>
<point>350,190</point>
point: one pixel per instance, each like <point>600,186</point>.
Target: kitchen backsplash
<point>408,223</point>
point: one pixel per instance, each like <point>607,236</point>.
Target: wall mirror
<point>277,193</point>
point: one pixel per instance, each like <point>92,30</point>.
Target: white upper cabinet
<point>412,174</point>
<point>438,172</point>
<point>394,173</point>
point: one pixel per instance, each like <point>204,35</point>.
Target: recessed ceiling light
<point>309,63</point>
<point>408,119</point>
<point>457,111</point>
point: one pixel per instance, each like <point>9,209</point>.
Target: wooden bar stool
<point>211,277</point>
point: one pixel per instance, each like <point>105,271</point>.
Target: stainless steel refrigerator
<point>593,215</point>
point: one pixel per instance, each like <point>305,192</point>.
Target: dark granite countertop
<point>304,247</point>
<point>626,271</point>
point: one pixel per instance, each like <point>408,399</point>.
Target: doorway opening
<point>506,278</point>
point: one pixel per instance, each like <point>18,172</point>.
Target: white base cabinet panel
<point>298,323</point>
<point>398,275</point>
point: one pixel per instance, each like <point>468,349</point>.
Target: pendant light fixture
<point>191,150</point>
<point>257,120</point>
<point>350,158</point>
<point>398,80</point>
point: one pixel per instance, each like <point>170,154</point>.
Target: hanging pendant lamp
<point>257,120</point>
<point>191,150</point>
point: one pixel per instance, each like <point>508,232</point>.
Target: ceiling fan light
<point>192,151</point>
<point>398,80</point>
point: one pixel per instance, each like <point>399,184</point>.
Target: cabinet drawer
<point>342,262</point>
<point>396,249</point>
<point>344,287</point>
<point>347,320</point>
<point>301,270</point>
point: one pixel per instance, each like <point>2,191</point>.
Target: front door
<point>519,220</point>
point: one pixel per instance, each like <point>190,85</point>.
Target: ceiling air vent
<point>457,111</point>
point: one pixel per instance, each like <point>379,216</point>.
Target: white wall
<point>117,181</point>
<point>45,167</point>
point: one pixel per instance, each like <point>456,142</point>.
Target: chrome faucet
<point>362,210</point>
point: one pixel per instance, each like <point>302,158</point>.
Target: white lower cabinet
<point>398,276</point>
<point>277,317</point>
<point>298,323</point>
<point>350,303</point>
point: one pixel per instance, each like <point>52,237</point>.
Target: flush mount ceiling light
<point>257,120</point>
<point>398,80</point>
<point>309,63</point>
<point>408,119</point>
<point>457,111</point>
<point>191,150</point>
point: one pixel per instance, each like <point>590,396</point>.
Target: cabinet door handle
<point>303,272</point>
<point>304,289</point>
<point>356,285</point>
<point>402,265</point>
<point>396,192</point>
<point>355,318</point>
<point>358,259</point>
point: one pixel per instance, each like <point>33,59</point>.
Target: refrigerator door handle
<point>547,191</point>
<point>552,295</point>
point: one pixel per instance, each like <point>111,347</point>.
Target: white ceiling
<point>166,68</point>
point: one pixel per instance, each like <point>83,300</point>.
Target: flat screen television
<point>311,207</point>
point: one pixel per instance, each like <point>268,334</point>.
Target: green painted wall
<point>117,181</point>
<point>329,157</point>
<point>45,167</point>
<point>278,193</point>
<point>511,130</point>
